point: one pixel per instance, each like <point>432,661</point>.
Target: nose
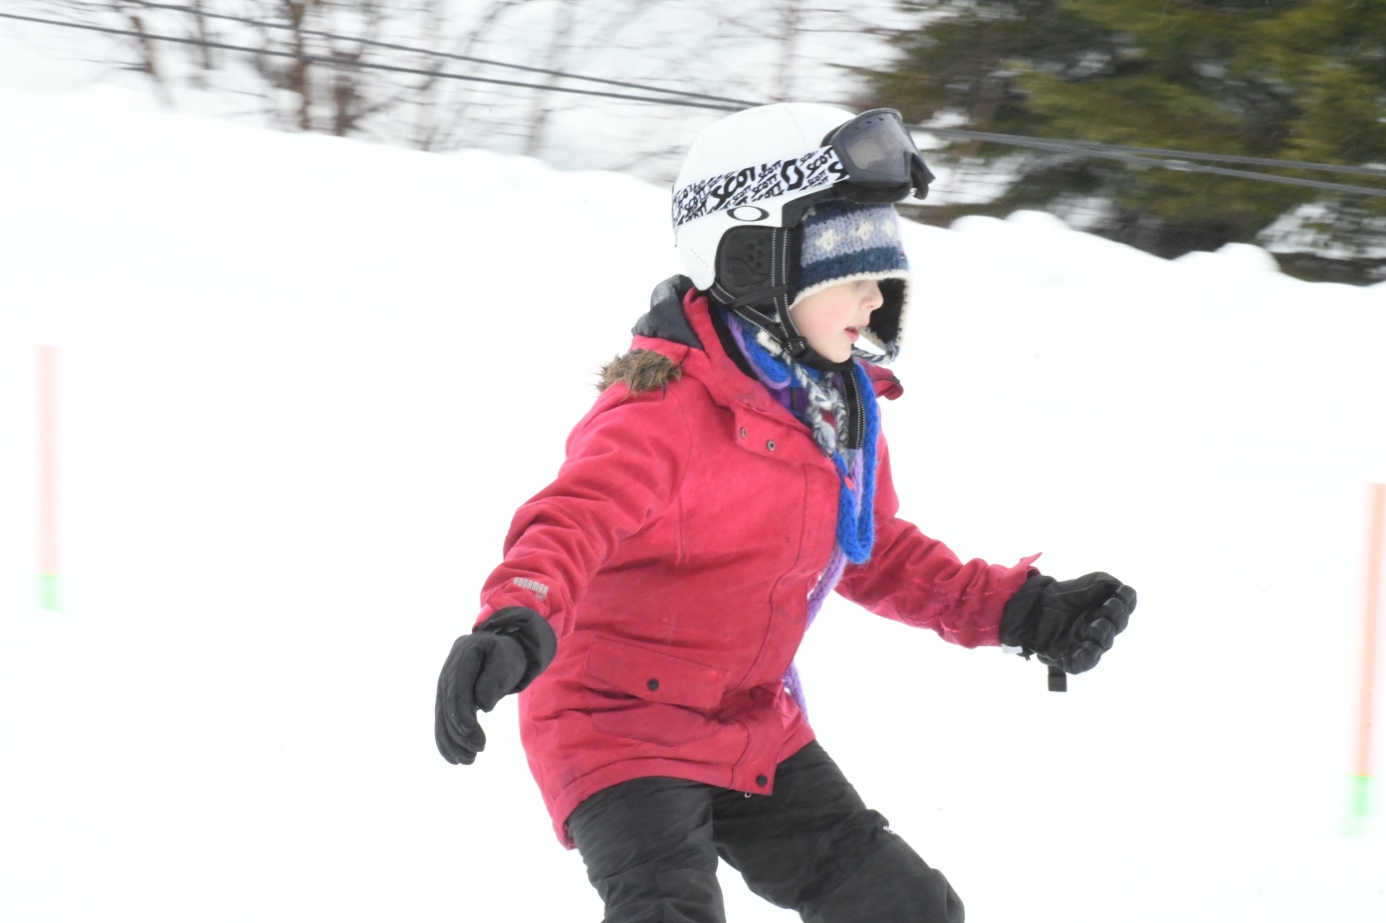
<point>872,297</point>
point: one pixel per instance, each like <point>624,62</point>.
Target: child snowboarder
<point>730,475</point>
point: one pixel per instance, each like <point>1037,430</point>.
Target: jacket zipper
<point>856,426</point>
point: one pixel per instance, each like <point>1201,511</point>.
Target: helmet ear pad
<point>756,266</point>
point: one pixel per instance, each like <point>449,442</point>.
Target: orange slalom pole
<point>1376,544</point>
<point>48,476</point>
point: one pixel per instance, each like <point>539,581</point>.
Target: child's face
<point>831,319</point>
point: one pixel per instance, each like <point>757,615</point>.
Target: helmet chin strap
<point>785,333</point>
<point>757,268</point>
<point>757,271</point>
<point>793,341</point>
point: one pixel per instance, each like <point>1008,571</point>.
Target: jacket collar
<point>679,325</point>
<point>666,319</point>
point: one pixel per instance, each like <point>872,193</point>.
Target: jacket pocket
<point>645,694</point>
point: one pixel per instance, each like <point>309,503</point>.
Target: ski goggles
<point>871,159</point>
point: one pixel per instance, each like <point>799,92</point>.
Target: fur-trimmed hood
<point>645,369</point>
<point>641,370</point>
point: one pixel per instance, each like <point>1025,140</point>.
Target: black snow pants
<point>651,848</point>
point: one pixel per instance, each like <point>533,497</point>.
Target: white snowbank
<point>306,381</point>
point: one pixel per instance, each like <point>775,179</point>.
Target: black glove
<point>503,655</point>
<point>1068,624</point>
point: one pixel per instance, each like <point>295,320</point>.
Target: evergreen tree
<point>1290,79</point>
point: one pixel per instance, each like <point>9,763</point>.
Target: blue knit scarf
<point>806,392</point>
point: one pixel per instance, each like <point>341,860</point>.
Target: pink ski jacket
<point>673,556</point>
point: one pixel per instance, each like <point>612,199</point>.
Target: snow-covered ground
<point>305,382</point>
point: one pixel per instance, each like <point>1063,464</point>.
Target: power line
<point>1185,166</point>
<point>363,65</point>
<point>960,133</point>
<point>1086,146</point>
<point>1183,161</point>
<point>1114,152</point>
<point>438,54</point>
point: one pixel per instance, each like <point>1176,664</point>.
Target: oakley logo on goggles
<point>873,157</point>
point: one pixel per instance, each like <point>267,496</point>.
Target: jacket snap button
<point>761,781</point>
<point>743,432</point>
<point>652,685</point>
<point>770,445</point>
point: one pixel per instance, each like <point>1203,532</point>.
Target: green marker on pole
<point>1362,776</point>
<point>1361,795</point>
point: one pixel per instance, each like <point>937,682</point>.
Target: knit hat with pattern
<point>843,242</point>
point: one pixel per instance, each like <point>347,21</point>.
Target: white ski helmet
<point>746,184</point>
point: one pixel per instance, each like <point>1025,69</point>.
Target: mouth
<point>853,333</point>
